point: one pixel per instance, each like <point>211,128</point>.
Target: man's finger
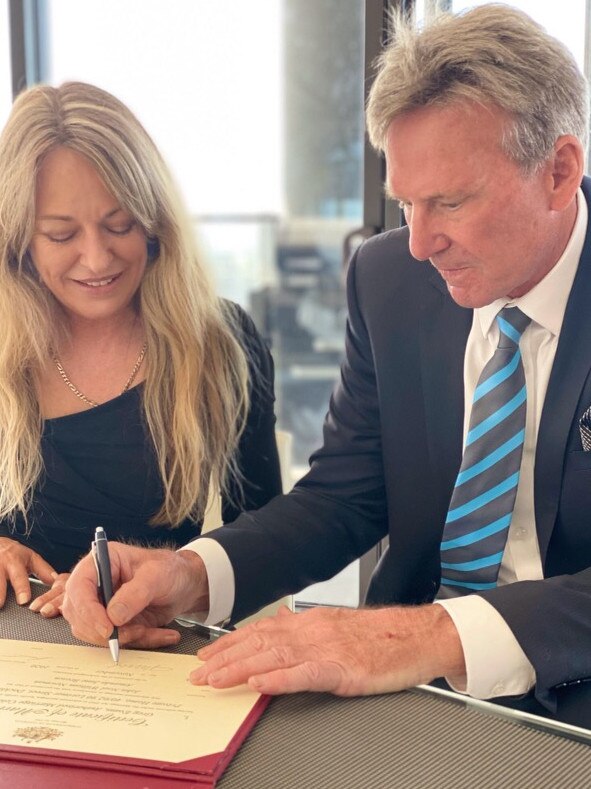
<point>308,676</point>
<point>236,665</point>
<point>89,621</point>
<point>142,637</point>
<point>130,600</point>
<point>3,587</point>
<point>256,630</point>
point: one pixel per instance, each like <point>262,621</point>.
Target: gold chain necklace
<point>82,396</point>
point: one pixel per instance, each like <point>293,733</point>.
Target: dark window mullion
<point>27,43</point>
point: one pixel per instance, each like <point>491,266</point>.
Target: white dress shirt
<point>495,663</point>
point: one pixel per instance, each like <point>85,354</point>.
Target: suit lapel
<point>569,372</point>
<point>444,331</point>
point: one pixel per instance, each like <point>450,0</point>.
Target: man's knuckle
<point>281,655</point>
<point>257,642</point>
<point>312,670</point>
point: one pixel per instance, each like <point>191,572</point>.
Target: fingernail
<point>118,612</point>
<point>219,676</point>
<point>35,605</point>
<point>197,676</point>
<point>22,598</point>
<point>47,610</point>
<point>54,575</point>
<point>104,632</point>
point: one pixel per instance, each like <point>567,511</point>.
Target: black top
<point>101,470</point>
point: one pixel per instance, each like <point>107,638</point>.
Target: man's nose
<point>427,237</point>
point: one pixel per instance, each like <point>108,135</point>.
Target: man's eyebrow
<point>389,194</point>
<point>434,198</point>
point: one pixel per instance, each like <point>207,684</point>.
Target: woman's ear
<point>25,264</point>
<point>153,247</point>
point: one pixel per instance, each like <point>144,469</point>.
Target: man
<point>483,120</point>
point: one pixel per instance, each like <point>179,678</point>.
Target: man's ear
<point>566,168</point>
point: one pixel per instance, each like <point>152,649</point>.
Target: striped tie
<point>482,502</point>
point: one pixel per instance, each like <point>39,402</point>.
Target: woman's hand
<point>17,563</point>
<point>49,604</point>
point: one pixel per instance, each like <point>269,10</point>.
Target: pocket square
<point>585,430</point>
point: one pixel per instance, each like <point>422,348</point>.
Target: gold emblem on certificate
<point>31,734</point>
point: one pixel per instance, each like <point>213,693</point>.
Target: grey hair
<point>492,55</point>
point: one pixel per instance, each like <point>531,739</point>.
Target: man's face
<point>486,226</point>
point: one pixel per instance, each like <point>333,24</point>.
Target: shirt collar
<point>546,302</point>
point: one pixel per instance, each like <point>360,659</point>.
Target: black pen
<point>100,553</point>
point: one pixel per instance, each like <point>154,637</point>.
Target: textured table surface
<point>411,740</point>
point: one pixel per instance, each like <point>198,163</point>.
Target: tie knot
<point>512,323</point>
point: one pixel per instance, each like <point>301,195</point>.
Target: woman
<point>127,389</point>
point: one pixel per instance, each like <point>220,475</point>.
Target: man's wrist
<point>195,581</point>
<point>447,647</point>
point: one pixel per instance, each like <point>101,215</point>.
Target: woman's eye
<point>60,238</point>
<point>121,230</point>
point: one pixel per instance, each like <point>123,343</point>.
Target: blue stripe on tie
<point>494,419</point>
<point>497,378</point>
<point>483,499</point>
<point>491,459</point>
<point>477,564</point>
<point>467,584</point>
<point>478,534</point>
<point>508,329</point>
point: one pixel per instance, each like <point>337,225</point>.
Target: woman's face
<point>87,249</point>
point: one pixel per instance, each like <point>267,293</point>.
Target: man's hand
<point>153,586</point>
<point>17,563</point>
<point>342,651</point>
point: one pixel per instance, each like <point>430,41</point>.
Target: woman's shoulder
<point>256,350</point>
<point>243,326</point>
<point>237,316</point>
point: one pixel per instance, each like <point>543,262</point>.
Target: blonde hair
<point>491,54</point>
<point>196,393</point>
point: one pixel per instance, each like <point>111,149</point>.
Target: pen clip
<point>93,551</point>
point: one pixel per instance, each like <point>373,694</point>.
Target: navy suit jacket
<point>392,450</point>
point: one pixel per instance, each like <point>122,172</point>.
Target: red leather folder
<point>23,767</point>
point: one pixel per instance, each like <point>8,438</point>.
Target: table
<point>419,739</point>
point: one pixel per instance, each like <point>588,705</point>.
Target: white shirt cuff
<point>220,576</point>
<point>495,663</point>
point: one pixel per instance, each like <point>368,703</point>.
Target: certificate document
<point>75,699</point>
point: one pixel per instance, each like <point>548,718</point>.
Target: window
<point>258,108</point>
<point>5,75</point>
